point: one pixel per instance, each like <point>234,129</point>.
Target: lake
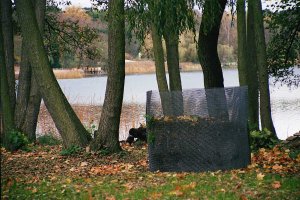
<point>285,101</point>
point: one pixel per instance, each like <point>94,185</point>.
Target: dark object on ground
<point>293,141</point>
<point>200,138</point>
<point>139,133</point>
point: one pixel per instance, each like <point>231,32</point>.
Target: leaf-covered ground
<point>44,174</point>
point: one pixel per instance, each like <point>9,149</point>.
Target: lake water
<point>285,101</point>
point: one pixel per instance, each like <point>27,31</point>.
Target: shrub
<point>17,140</point>
<point>48,139</point>
<point>71,151</point>
<point>262,139</point>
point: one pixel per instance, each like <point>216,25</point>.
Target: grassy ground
<point>43,173</point>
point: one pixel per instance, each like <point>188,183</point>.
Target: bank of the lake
<point>91,91</point>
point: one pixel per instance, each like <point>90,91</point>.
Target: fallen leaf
<point>276,185</point>
<point>84,164</point>
<point>177,193</point>
<point>260,176</point>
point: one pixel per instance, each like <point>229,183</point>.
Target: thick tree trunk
<point>208,45</point>
<point>242,42</point>
<point>252,71</point>
<point>64,117</point>
<point>209,58</point>
<point>6,108</point>
<point>160,70</point>
<point>107,135</point>
<point>29,98</point>
<point>8,41</point>
<point>260,44</point>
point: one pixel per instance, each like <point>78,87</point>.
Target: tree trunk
<point>260,44</point>
<point>171,36</point>
<point>8,41</point>
<point>252,71</point>
<point>160,70</point>
<point>107,135</point>
<point>23,89</point>
<point>6,108</point>
<point>29,98</point>
<point>209,58</point>
<point>64,117</point>
<point>208,45</point>
<point>32,111</point>
<point>242,42</point>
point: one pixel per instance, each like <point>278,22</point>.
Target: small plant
<point>150,137</point>
<point>262,139</point>
<point>149,120</point>
<point>48,139</point>
<point>71,151</point>
<point>17,140</point>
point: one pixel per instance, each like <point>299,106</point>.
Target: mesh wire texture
<point>198,129</point>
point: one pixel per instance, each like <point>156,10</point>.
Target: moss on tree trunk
<point>5,102</point>
<point>107,135</point>
<point>252,70</point>
<point>64,117</point>
<point>261,56</point>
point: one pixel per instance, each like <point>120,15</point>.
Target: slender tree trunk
<point>242,42</point>
<point>171,36</point>
<point>32,111</point>
<point>160,70</point>
<point>64,117</point>
<point>252,71</point>
<point>260,44</point>
<point>107,135</point>
<point>208,45</point>
<point>209,58</point>
<point>171,40</point>
<point>159,60</point>
<point>8,41</point>
<point>6,108</point>
<point>23,89</point>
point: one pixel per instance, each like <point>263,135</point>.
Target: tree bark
<point>8,41</point>
<point>171,36</point>
<point>260,44</point>
<point>252,71</point>
<point>6,108</point>
<point>107,135</point>
<point>29,98</point>
<point>64,117</point>
<point>209,58</point>
<point>160,70</point>
<point>23,89</point>
<point>242,42</point>
<point>208,45</point>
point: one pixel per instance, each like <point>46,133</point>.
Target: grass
<point>44,174</point>
<point>68,74</point>
<point>146,67</point>
<point>165,186</point>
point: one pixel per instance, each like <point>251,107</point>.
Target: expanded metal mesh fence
<point>198,129</point>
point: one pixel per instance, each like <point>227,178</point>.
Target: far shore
<point>131,67</point>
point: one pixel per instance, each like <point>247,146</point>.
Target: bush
<point>48,140</point>
<point>262,139</point>
<point>71,151</point>
<point>17,140</point>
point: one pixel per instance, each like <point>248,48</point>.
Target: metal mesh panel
<point>198,129</point>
